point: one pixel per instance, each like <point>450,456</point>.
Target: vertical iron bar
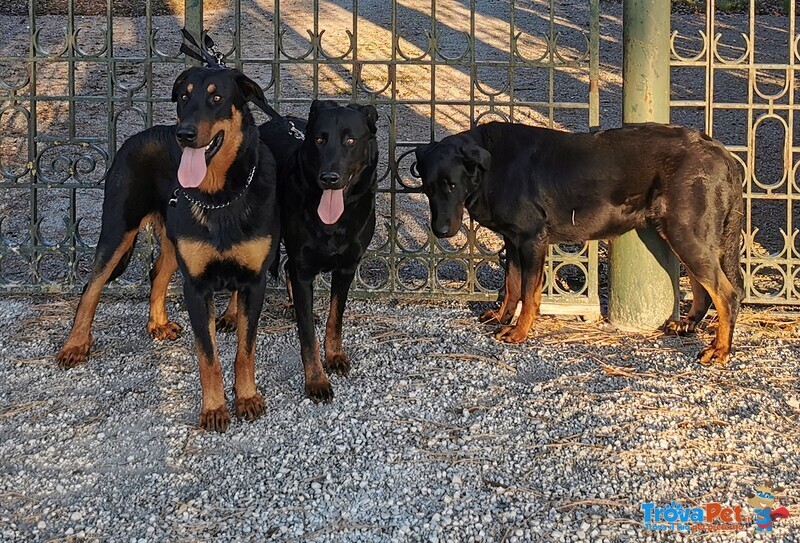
<point>392,233</point>
<point>111,68</point>
<point>751,142</point>
<point>237,36</point>
<point>148,62</point>
<point>788,163</point>
<point>276,54</point>
<point>34,148</point>
<point>193,22</point>
<point>594,64</point>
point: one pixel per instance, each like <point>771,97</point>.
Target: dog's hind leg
<point>508,308</point>
<point>158,325</point>
<point>703,263</point>
<point>113,250</point>
<point>532,254</point>
<point>336,360</point>
<point>701,301</point>
<point>214,413</point>
<point>248,402</point>
<point>318,387</point>
<point>227,322</point>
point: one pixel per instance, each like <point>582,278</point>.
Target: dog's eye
<point>349,141</point>
<point>319,141</point>
<point>451,186</point>
<point>217,98</point>
<point>184,97</point>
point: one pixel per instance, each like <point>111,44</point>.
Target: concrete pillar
<point>643,271</point>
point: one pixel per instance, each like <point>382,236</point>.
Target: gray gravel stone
<point>552,447</point>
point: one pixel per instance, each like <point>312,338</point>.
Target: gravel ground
<point>440,433</point>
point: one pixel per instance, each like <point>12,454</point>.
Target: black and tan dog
<point>327,199</point>
<point>222,228</point>
<point>536,186</point>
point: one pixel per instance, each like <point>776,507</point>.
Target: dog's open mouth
<point>195,161</point>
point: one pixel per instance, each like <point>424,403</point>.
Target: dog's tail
<point>732,230</point>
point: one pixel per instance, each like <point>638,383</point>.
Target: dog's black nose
<point>186,133</point>
<point>440,230</point>
<point>329,178</point>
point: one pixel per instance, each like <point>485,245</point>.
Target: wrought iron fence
<point>736,78</point>
<point>75,86</point>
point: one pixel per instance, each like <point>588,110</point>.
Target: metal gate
<point>736,78</point>
<point>77,80</point>
<point>84,82</point>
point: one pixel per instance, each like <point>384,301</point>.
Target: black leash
<point>214,59</point>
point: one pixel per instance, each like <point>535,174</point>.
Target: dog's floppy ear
<point>250,89</point>
<point>476,156</point>
<point>422,150</point>
<point>419,154</point>
<point>318,105</point>
<point>178,82</point>
<point>370,113</point>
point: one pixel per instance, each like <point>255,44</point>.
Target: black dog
<point>327,198</point>
<point>222,231</point>
<point>536,186</point>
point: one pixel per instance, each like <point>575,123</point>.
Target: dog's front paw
<point>319,390</point>
<point>250,408</point>
<point>511,334</point>
<point>72,355</point>
<point>680,327</point>
<point>713,356</point>
<point>216,420</point>
<point>337,363</point>
<point>169,331</point>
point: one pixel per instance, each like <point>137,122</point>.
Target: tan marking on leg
<point>159,326</point>
<point>214,413</point>
<point>76,347</point>
<point>336,360</point>
<point>318,387</point>
<point>508,306</point>
<point>719,349</point>
<point>245,377</point>
<point>248,403</point>
<point>531,304</point>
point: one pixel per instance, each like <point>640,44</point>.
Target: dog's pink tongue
<point>192,170</point>
<point>331,206</point>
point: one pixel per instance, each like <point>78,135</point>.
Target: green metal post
<point>643,271</point>
<point>193,21</point>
